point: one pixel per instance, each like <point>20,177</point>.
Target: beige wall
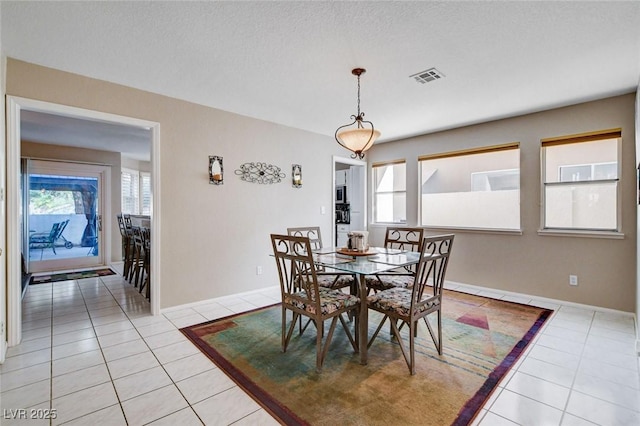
<point>213,237</point>
<point>56,152</point>
<point>531,263</point>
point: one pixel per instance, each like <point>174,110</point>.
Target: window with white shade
<point>476,188</point>
<point>390,192</point>
<point>145,191</point>
<point>130,191</point>
<point>135,192</point>
<point>580,176</point>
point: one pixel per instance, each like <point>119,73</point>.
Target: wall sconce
<point>216,172</point>
<point>296,175</point>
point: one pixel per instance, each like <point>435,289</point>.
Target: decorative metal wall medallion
<point>260,173</point>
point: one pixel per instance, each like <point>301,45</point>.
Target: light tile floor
<point>92,353</point>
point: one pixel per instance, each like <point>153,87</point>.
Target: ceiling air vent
<point>427,76</point>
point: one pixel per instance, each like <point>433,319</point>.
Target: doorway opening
<point>350,200</point>
<point>64,205</point>
<point>15,108</point>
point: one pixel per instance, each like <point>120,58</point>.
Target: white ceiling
<point>290,62</point>
<point>134,142</point>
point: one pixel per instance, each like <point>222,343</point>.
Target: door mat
<point>482,340</point>
<point>66,276</point>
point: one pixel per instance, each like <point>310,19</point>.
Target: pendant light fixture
<point>359,135</point>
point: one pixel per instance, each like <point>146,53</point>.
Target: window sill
<point>475,230</point>
<point>451,229</point>
<point>614,235</point>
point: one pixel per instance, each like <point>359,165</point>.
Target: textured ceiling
<point>290,62</point>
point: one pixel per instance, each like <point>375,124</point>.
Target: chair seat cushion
<point>330,301</point>
<point>335,281</point>
<point>384,282</point>
<point>398,301</point>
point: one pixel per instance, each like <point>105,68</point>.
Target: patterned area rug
<point>52,278</point>
<point>482,340</point>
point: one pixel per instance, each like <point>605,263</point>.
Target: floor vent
<point>427,76</point>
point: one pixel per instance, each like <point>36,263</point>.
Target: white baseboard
<point>215,299</point>
<point>473,289</point>
<point>465,288</point>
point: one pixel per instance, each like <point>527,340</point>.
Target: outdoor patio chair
<point>43,240</point>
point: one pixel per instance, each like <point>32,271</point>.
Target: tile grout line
<point>51,304</point>
<point>575,375</point>
<point>168,375</point>
<point>159,363</point>
<point>106,364</point>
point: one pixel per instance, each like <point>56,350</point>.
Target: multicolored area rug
<point>52,278</point>
<point>482,339</point>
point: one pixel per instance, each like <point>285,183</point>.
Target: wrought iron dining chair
<point>410,305</point>
<point>145,248</point>
<point>328,279</point>
<point>302,295</point>
<point>127,244</point>
<point>139,258</point>
<point>398,238</point>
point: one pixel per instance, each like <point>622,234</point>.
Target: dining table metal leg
<point>363,320</point>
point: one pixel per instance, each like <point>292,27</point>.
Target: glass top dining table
<point>375,260</point>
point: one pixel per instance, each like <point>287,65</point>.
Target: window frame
<point>600,135</point>
<point>132,173</point>
<point>141,179</point>
<point>374,191</point>
<point>467,152</point>
<point>140,194</point>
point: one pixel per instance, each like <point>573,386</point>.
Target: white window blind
<point>145,189</point>
<point>390,192</point>
<point>477,188</point>
<point>580,177</point>
<point>130,183</point>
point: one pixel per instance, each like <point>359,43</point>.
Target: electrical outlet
<point>258,270</point>
<point>573,280</point>
<point>323,210</point>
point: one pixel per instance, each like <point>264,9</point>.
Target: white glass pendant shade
<point>357,140</point>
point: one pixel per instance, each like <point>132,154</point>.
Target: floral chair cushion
<point>330,301</point>
<point>330,281</point>
<point>398,300</point>
<point>384,282</point>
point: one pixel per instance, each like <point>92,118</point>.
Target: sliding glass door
<point>63,222</point>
